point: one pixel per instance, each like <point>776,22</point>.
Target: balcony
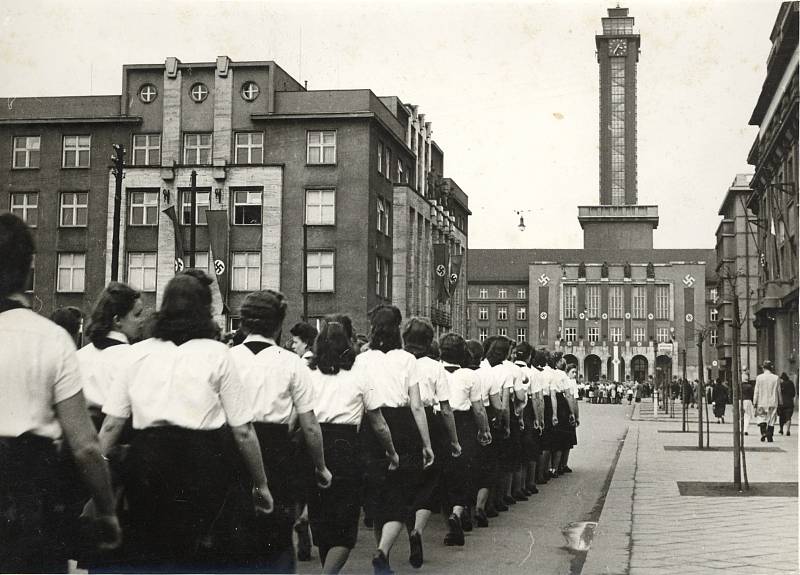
<point>624,213</point>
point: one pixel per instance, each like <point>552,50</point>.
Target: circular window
<point>147,93</point>
<point>199,92</point>
<point>250,91</point>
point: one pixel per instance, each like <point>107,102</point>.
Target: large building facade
<point>618,308</point>
<point>330,194</point>
<point>774,201</point>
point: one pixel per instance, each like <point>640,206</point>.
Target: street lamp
<point>521,224</point>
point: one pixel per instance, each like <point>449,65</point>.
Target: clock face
<point>617,47</point>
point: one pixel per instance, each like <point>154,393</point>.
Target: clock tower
<point>618,222</point>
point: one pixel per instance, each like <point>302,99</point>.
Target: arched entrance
<point>663,370</point>
<point>591,367</point>
<point>639,368</point>
<point>610,371</point>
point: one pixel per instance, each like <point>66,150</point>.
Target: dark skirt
<point>333,512</point>
<point>719,409</point>
<point>177,482</point>
<point>563,433</point>
<point>548,439</point>
<point>510,448</point>
<point>531,437</point>
<point>785,412</point>
<point>429,495</point>
<point>390,494</point>
<point>485,464</point>
<point>29,537</point>
<point>459,484</point>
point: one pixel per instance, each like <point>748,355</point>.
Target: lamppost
<point>118,160</point>
<point>521,224</point>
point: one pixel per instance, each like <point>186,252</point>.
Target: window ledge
<point>25,168</point>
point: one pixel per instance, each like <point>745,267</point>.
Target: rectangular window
<point>713,338</point>
<point>76,151</point>
<point>201,261</point>
<point>593,334</point>
<point>30,284</point>
<point>502,331</point>
<point>71,272</point>
<point>142,271</point>
<point>387,281</point>
<point>26,151</point>
<point>380,157</point>
<point>712,294</point>
<point>502,312</point>
<point>197,149</point>
<point>249,148</point>
<point>246,274</point>
<point>378,275</point>
<point>638,335</point>
<point>387,218</point>
<point>570,306</point>
<point>662,335</point>
<point>483,312</point>
<point>522,293</point>
<point>615,334</point>
<point>320,271</point>
<point>639,302</point>
<point>662,302</point>
<point>713,314</point>
<point>522,313</point>
<point>616,302</point>
<point>247,207</point>
<point>320,207</point>
<point>25,205</point>
<point>321,147</point>
<point>502,293</point>
<point>483,333</point>
<point>570,334</point>
<point>521,334</point>
<point>146,149</point>
<point>74,209</point>
<point>381,214</point>
<point>483,293</point>
<point>144,208</point>
<point>388,173</point>
<point>400,175</point>
<point>593,301</point>
<point>202,203</point>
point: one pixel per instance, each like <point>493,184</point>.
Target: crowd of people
<point>164,446</point>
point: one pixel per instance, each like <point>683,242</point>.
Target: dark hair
<point>496,348</point>
<point>539,358</point>
<point>523,351</point>
<point>573,366</point>
<point>69,318</point>
<point>384,332</point>
<point>16,254</point>
<point>305,331</point>
<point>433,351</point>
<point>418,336</point>
<point>768,365</point>
<point>263,312</point>
<point>784,376</point>
<point>475,351</point>
<point>117,299</point>
<point>185,312</point>
<point>346,322</point>
<point>454,349</point>
<point>333,350</point>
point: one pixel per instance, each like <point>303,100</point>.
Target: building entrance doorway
<point>591,367</point>
<point>639,365</point>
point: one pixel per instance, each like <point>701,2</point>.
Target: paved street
<point>528,538</point>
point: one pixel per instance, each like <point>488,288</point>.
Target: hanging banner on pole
<point>218,238</point>
<point>441,264</point>
<point>179,256</point>
<point>455,273</point>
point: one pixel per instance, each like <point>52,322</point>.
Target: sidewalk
<point>648,527</point>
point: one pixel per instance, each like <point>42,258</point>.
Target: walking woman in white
<point>391,373</point>
<point>185,397</point>
<point>766,400</point>
<point>40,402</point>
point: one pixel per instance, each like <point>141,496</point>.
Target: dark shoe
<point>492,513</point>
<point>780,431</point>
<point>368,522</point>
<point>565,469</point>
<point>789,432</point>
<point>466,520</point>
<point>481,518</point>
<point>455,537</point>
<point>763,438</point>
<point>509,500</point>
<point>380,564</point>
<point>519,496</point>
<point>552,473</point>
<point>770,433</point>
<point>303,541</point>
<point>500,507</point>
<point>532,490</point>
<point>746,433</point>
<point>415,544</point>
<point>541,481</point>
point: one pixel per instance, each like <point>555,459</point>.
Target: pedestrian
<point>71,319</point>
<point>342,396</point>
<point>531,431</point>
<point>766,400</point>
<point>391,372</point>
<point>279,386</point>
<point>787,408</point>
<point>719,398</point>
<point>630,393</point>
<point>303,336</point>
<point>747,399</point>
<point>564,418</point>
<point>486,477</point>
<point>42,403</point>
<point>574,418</point>
<point>183,392</point>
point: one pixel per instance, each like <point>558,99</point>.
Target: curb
<point>611,546</point>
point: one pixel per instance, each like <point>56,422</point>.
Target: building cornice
<point>100,120</point>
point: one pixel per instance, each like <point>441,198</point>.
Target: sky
<point>511,88</point>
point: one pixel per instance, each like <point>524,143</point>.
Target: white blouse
<point>38,369</point>
<point>432,379</point>
<point>277,380</point>
<point>389,375</point>
<point>488,381</point>
<point>194,385</point>
<point>465,387</point>
<point>98,367</point>
<point>341,398</point>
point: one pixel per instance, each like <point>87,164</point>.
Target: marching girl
<point>41,403</point>
<point>546,375</point>
<point>116,320</point>
<point>342,395</point>
<point>485,476</point>
<point>522,385</point>
<point>183,392</point>
<point>473,430</point>
<point>571,397</point>
<point>434,394</point>
<point>279,384</point>
<point>530,443</point>
<point>564,420</point>
<point>391,375</point>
